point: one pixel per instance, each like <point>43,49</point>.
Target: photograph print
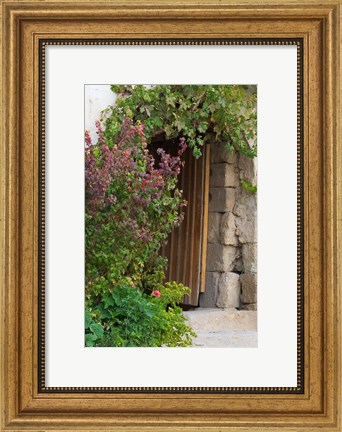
<point>171,216</point>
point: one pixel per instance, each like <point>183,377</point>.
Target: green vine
<point>196,112</point>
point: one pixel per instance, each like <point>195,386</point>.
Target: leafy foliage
<point>133,318</point>
<point>192,111</point>
<point>131,207</point>
<point>248,186</point>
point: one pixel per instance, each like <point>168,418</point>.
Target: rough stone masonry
<point>231,274</point>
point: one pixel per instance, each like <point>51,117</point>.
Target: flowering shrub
<point>132,204</point>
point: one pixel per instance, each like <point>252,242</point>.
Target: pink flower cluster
<point>171,165</point>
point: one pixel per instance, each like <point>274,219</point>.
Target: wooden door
<point>187,245</point>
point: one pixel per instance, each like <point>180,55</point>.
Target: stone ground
<point>219,328</point>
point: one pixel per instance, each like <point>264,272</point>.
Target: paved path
<point>220,328</point>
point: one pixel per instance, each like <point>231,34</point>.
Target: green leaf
<point>248,186</point>
<point>97,330</point>
<point>170,100</point>
<point>158,122</point>
<point>108,300</point>
<point>179,124</point>
<point>90,340</point>
<point>87,319</point>
<point>105,314</point>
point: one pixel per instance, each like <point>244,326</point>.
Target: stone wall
<point>231,278</point>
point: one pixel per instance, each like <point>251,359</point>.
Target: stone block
<point>221,199</point>
<point>247,199</point>
<point>249,257</point>
<point>248,168</point>
<point>219,153</point>
<point>239,209</point>
<point>250,307</point>
<point>228,229</point>
<point>214,220</point>
<point>228,290</point>
<point>246,229</point>
<point>222,175</point>
<point>248,288</point>
<point>220,258</point>
<point>209,297</point>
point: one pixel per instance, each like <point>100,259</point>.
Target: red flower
<point>156,293</point>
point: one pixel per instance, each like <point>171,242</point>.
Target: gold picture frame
<point>27,27</point>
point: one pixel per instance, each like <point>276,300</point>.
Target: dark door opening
<point>186,248</point>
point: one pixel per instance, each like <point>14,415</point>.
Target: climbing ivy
<point>195,112</point>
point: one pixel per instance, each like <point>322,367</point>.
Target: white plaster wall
<point>97,97</point>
